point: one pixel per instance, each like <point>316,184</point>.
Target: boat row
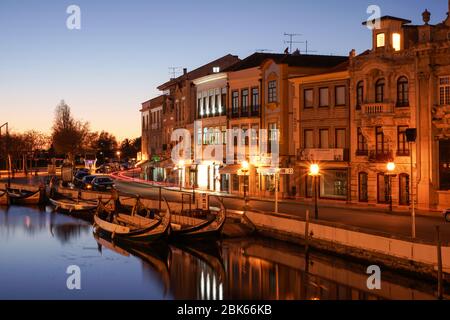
<point>123,218</point>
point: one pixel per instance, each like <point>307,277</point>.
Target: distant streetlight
<point>118,155</point>
<point>314,172</point>
<point>390,169</point>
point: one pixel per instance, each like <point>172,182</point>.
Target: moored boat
<point>4,198</point>
<point>73,206</point>
<point>131,228</point>
<point>25,197</point>
<point>209,226</point>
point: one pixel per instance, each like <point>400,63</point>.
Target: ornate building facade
<point>402,83</point>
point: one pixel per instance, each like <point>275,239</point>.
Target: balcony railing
<point>323,155</point>
<point>403,153</point>
<point>362,153</point>
<point>375,109</point>
<point>381,156</point>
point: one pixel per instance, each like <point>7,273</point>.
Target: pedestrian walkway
<point>125,176</point>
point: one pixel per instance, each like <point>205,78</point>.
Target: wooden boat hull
<point>4,198</point>
<point>198,228</point>
<point>132,229</point>
<point>25,198</point>
<point>72,206</point>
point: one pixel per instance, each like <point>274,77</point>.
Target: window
<point>217,107</point>
<point>235,102</point>
<point>204,107</point>
<point>379,91</point>
<point>216,69</point>
<point>255,100</point>
<point>403,147</point>
<point>235,182</point>
<point>323,139</point>
<point>255,135</point>
<point>244,102</point>
<point>381,40</point>
<point>272,97</point>
<point>244,136</point>
<point>444,164</point>
<point>308,138</point>
<point>340,98</point>
<point>396,41</point>
<point>308,98</point>
<point>383,188</point>
<point>379,140</point>
<point>211,106</point>
<point>404,189</point>
<point>363,194</point>
<point>324,96</point>
<point>273,135</point>
<point>223,100</point>
<point>402,92</point>
<point>444,91</point>
<point>359,95</point>
<point>340,139</point>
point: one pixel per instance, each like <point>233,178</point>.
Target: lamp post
<point>8,156</point>
<point>314,172</point>
<point>390,168</point>
<point>180,168</point>
<point>245,169</point>
<point>118,153</point>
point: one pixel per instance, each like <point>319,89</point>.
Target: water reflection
<point>36,239</point>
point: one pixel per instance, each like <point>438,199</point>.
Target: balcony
<point>362,153</point>
<point>332,155</point>
<point>377,109</point>
<point>381,156</point>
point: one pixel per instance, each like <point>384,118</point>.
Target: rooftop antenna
<point>173,71</point>
<point>307,48</point>
<point>291,41</point>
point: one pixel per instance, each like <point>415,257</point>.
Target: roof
<point>301,60</point>
<point>207,69</point>
<point>404,21</point>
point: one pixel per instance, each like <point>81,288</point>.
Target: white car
<point>447,215</point>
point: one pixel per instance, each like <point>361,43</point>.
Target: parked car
<point>86,182</point>
<point>102,183</point>
<point>78,179</point>
<point>447,215</point>
<point>104,168</point>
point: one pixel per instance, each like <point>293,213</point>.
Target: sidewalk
<point>321,203</point>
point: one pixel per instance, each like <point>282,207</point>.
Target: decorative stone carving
<point>426,16</point>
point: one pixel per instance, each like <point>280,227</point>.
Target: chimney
<point>185,69</point>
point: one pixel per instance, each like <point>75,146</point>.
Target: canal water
<point>37,247</point>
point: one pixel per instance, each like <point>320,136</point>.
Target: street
<point>392,224</point>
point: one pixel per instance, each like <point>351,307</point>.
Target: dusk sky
<point>125,48</point>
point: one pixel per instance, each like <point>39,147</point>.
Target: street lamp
<point>314,172</point>
<point>245,169</point>
<point>390,168</point>
<point>180,168</point>
<point>118,155</point>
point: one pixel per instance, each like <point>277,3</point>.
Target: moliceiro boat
<point>207,226</point>
<point>73,205</point>
<point>26,197</point>
<point>4,198</point>
<point>132,228</point>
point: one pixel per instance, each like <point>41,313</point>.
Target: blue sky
<point>124,48</point>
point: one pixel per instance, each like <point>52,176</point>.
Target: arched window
<point>359,95</point>
<point>379,91</point>
<point>402,92</point>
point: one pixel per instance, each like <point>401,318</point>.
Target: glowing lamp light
<point>390,166</point>
<point>245,165</point>
<point>181,163</point>
<point>314,170</point>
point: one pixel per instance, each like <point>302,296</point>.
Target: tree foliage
<point>68,135</point>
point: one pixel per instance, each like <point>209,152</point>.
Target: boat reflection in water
<point>37,246</point>
<point>267,270</point>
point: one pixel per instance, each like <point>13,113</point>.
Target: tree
<point>69,135</point>
<point>130,148</point>
<point>105,145</point>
